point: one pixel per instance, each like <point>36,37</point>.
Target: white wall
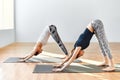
<point>6,37</point>
<point>70,16</point>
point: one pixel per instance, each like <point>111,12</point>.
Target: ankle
<point>111,64</point>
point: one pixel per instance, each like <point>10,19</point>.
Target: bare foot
<point>109,69</point>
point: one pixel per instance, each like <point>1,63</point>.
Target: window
<point>6,14</point>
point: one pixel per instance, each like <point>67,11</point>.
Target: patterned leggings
<point>100,34</point>
<point>52,30</point>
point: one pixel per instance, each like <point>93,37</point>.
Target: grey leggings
<point>54,34</point>
<point>100,34</point>
<point>52,30</point>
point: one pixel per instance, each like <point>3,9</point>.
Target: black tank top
<point>84,39</point>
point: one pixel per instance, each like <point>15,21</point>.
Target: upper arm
<point>76,52</point>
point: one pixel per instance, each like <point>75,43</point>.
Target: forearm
<point>72,58</point>
<point>29,56</point>
<point>66,59</point>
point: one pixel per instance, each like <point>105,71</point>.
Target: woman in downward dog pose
<point>95,27</point>
<point>49,30</point>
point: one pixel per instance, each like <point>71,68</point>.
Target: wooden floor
<point>23,71</point>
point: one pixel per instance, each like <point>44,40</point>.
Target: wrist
<point>64,66</point>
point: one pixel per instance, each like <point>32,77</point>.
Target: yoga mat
<point>56,57</point>
<point>16,60</point>
<point>43,69</point>
<point>87,68</point>
<point>42,59</point>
